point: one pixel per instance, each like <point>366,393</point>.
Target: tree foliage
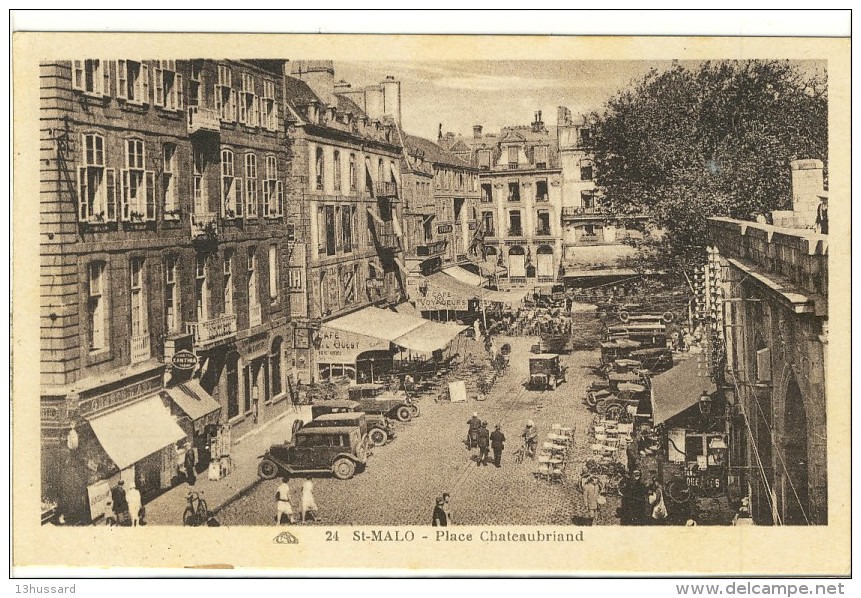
<point>713,140</point>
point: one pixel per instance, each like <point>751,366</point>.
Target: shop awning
<point>407,309</point>
<point>514,297</point>
<point>458,287</point>
<point>429,337</point>
<point>136,431</point>
<point>464,275</point>
<point>375,322</point>
<point>679,388</point>
<point>196,403</point>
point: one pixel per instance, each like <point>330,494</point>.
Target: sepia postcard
<point>431,305</point>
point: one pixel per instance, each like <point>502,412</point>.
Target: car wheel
<point>267,470</point>
<point>668,317</point>
<point>624,316</point>
<point>343,468</point>
<point>378,436</point>
<point>297,425</point>
<point>404,413</point>
<point>415,409</point>
<point>613,411</point>
<point>591,399</point>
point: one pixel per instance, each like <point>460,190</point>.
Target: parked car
<point>398,406</point>
<point>340,450</point>
<point>379,429</point>
<point>545,372</point>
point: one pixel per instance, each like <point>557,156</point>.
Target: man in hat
<point>530,438</point>
<point>120,503</point>
<point>472,434</point>
<point>634,500</point>
<point>822,212</point>
<point>497,443</point>
<point>483,444</point>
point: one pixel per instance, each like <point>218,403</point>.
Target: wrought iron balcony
<point>212,332</point>
<point>204,226</point>
<point>386,189</point>
<point>203,120</point>
<point>580,211</point>
<point>430,249</point>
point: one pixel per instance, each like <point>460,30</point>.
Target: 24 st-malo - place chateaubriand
<point>487,293</point>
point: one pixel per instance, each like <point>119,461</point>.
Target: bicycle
<point>520,454</point>
<point>195,513</point>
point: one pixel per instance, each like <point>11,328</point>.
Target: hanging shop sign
<point>444,229</point>
<point>337,346</point>
<point>184,360</point>
<point>436,298</point>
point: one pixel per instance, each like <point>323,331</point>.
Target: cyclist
<point>472,435</point>
<point>530,438</point>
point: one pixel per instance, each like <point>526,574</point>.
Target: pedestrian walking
<point>190,463</point>
<point>120,503</point>
<point>440,518</point>
<point>446,506</point>
<point>822,213</point>
<point>634,500</point>
<point>656,502</point>
<point>483,444</point>
<point>309,503</point>
<point>590,499</point>
<point>133,498</point>
<point>284,502</point>
<point>497,443</point>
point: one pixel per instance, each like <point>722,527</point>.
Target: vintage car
<point>378,427</point>
<point>394,405</point>
<point>337,449</point>
<point>549,295</point>
<point>619,348</point>
<point>545,372</point>
<point>365,391</point>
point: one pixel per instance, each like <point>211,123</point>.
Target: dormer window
<point>513,157</point>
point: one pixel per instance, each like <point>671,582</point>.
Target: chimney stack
<point>439,134</point>
<point>476,131</point>
<point>320,77</point>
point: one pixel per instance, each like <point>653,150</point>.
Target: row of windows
<point>445,179</point>
<point>515,223</point>
<point>98,284</point>
<point>322,172</point>
<point>130,194</point>
<point>167,89</point>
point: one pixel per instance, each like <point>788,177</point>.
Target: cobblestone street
<point>429,457</point>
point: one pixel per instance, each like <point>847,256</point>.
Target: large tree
<point>716,139</point>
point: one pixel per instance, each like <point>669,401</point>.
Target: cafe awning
<point>679,388</point>
<point>196,403</point>
<point>458,287</point>
<point>464,275</point>
<point>429,337</point>
<point>375,322</point>
<point>135,431</point>
<point>514,297</point>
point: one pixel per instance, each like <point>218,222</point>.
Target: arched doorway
<point>373,366</point>
<point>275,366</point>
<point>517,262</point>
<point>796,496</point>
<point>544,263</point>
<point>232,384</point>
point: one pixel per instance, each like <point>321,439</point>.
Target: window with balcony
<point>273,274</point>
<point>268,107</point>
<point>486,193</point>
<point>514,191</point>
<point>330,236</point>
<point>541,191</point>
<point>138,184</point>
<point>515,228</point>
<point>227,284</point>
<point>487,224</point>
<point>381,171</point>
<point>199,194</point>
<point>170,205</point>
<point>133,81</point>
<point>231,193</point>
<point>513,157</point>
<point>273,189</point>
<point>201,290</point>
<point>251,185</point>
<point>587,201</point>
<point>91,77</point>
<point>540,157</point>
<point>195,69</point>
<point>347,217</point>
<point>169,92</point>
<point>543,227</point>
<point>248,102</point>
<point>97,185</point>
<point>484,159</point>
<point>225,95</point>
<point>354,181</point>
<point>318,168</point>
<point>171,296</point>
<point>97,312</point>
<point>253,296</point>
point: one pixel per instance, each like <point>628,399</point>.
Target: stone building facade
<point>773,309</point>
<point>164,215</point>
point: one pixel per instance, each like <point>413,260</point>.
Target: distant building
<point>164,216</point>
<point>771,319</point>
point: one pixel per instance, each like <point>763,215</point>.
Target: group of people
<point>284,500</point>
<point>642,504</point>
<point>442,511</point>
<point>479,436</point>
<point>126,505</point>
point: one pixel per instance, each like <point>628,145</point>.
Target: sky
<point>460,94</point>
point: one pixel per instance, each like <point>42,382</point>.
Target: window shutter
<point>243,108</point>
<point>266,195</point>
<point>145,79</point>
<point>273,119</point>
<point>279,186</point>
<point>122,79</point>
<point>82,193</point>
<point>763,365</point>
<point>249,198</point>
<point>78,74</point>
<point>106,80</point>
<point>258,107</point>
<point>233,107</point>
<point>111,189</point>
<point>237,191</point>
<point>125,194</point>
<point>150,195</point>
<point>159,86</point>
<point>180,92</point>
